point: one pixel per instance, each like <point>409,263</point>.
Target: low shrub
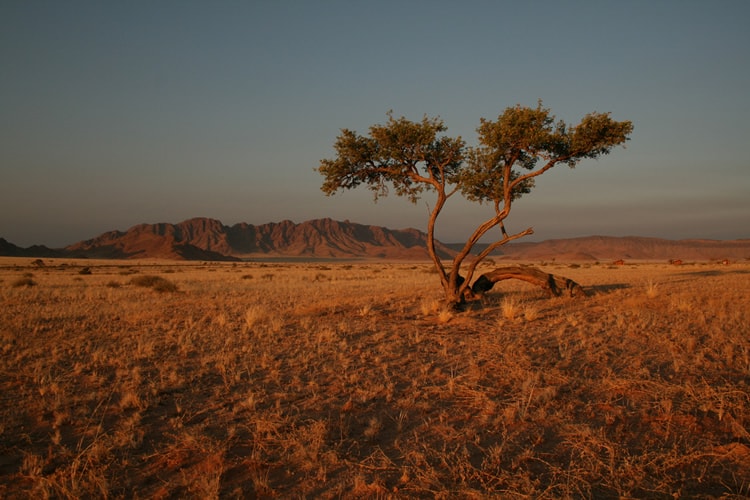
<point>25,281</point>
<point>157,283</point>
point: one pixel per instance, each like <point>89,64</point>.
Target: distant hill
<point>8,249</point>
<point>195,239</point>
<point>604,248</point>
<point>209,239</point>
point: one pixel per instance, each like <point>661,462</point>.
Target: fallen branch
<point>554,285</point>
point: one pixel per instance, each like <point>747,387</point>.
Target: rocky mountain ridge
<point>209,239</point>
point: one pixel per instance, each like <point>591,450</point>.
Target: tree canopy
<point>409,156</point>
<point>417,157</point>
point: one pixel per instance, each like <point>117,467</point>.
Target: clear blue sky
<point>119,113</point>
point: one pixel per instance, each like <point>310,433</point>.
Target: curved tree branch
<point>554,285</point>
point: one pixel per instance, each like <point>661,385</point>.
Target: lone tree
<point>414,157</point>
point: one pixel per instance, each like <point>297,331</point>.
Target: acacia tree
<point>414,157</point>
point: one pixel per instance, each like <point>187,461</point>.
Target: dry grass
<point>351,380</point>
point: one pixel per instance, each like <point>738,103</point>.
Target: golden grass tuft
<point>510,308</point>
<point>254,315</point>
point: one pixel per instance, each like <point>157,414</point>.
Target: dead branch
<point>554,285</point>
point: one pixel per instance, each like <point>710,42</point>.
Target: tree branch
<point>490,248</point>
<point>440,202</point>
<point>551,163</point>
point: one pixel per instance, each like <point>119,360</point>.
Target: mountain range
<point>209,239</point>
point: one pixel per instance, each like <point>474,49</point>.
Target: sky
<point>114,114</point>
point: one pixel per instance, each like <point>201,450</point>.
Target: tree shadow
<point>602,289</point>
<point>713,272</point>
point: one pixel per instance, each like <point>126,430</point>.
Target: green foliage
<point>409,156</point>
<point>521,138</point>
<point>412,156</point>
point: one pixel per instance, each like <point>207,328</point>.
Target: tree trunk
<point>554,285</point>
<point>454,297</point>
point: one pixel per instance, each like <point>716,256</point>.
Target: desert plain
<point>292,379</point>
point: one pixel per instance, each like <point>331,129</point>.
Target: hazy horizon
<point>533,238</point>
<point>113,115</point>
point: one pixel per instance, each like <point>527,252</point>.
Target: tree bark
<point>554,285</point>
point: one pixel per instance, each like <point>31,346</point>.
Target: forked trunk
<point>454,294</point>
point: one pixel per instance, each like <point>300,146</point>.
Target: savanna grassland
<point>131,379</point>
